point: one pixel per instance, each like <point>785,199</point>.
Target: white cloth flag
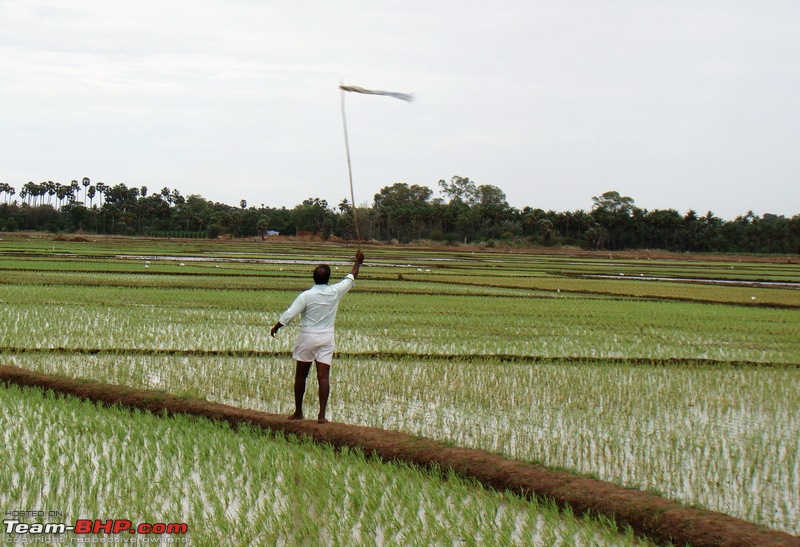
<point>402,96</point>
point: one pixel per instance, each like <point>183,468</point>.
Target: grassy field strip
<point>106,246</point>
<point>772,272</point>
<point>204,474</point>
<point>435,283</point>
<point>419,284</point>
<point>563,327</point>
<point>144,325</point>
<point>271,281</point>
<point>131,318</point>
<point>481,261</point>
<point>653,289</point>
<point>526,278</point>
<point>445,261</point>
<point>727,439</point>
<point>492,265</point>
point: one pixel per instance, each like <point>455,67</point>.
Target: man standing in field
<point>317,309</point>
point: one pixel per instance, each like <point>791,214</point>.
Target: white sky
<point>685,104</point>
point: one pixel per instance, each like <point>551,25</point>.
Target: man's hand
<point>275,329</point>
<point>359,257</point>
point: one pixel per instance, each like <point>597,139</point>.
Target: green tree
<point>310,216</point>
<point>493,211</point>
<point>263,226</point>
<point>613,202</point>
<point>612,212</point>
<point>402,210</point>
<point>460,190</point>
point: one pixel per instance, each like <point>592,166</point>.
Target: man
<point>317,310</point>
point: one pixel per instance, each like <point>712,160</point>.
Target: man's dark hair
<point>322,274</point>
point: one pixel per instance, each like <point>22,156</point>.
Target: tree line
<point>465,212</point>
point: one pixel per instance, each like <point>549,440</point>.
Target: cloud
<point>685,105</point>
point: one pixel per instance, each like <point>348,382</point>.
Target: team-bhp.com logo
<point>84,527</point>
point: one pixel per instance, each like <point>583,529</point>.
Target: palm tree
<point>50,187</point>
<point>86,182</point>
<point>62,192</point>
<point>176,197</point>
<point>100,188</point>
<point>75,188</point>
<point>31,191</point>
<point>6,188</point>
<point>41,190</point>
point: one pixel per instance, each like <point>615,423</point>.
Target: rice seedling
<point>722,437</point>
<point>225,320</point>
<point>426,354</point>
<point>248,487</point>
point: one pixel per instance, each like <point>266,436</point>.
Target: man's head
<point>322,274</point>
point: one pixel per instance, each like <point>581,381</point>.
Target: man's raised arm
<point>357,263</point>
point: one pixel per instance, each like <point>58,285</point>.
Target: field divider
<point>395,356</point>
<point>658,518</point>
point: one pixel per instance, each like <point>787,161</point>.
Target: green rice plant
<point>246,487</point>
<point>724,437</point>
<point>425,354</point>
<point>223,320</point>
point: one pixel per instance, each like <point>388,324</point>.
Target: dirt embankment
<point>658,518</point>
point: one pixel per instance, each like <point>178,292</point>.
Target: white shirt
<point>318,305</point>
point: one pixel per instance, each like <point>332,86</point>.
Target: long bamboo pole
<point>349,167</point>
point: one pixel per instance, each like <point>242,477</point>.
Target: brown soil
<point>660,519</point>
<point>77,239</point>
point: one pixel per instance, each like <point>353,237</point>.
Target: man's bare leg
<point>323,377</point>
<point>300,375</point>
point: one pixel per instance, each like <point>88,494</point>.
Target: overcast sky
<point>684,104</point>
